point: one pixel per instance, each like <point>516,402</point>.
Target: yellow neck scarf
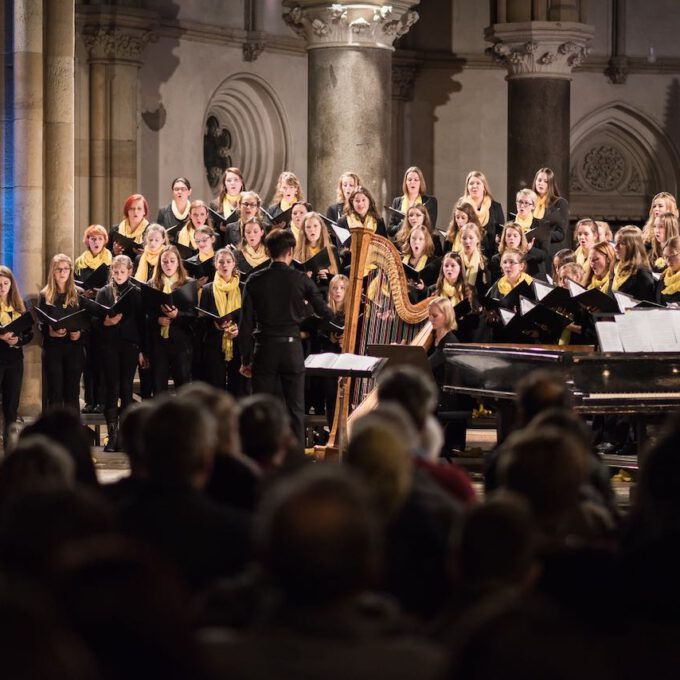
<point>406,204</point>
<point>227,296</point>
<point>186,235</point>
<point>619,277</point>
<point>136,235</point>
<point>659,263</point>
<point>148,259</point>
<point>456,245</point>
<point>483,211</point>
<point>602,284</point>
<point>504,286</point>
<point>229,204</point>
<point>524,222</point>
<point>204,257</point>
<point>313,250</point>
<point>354,222</point>
<point>539,208</point>
<point>255,257</point>
<point>284,205</point>
<point>168,283</point>
<point>420,265</point>
<point>671,282</point>
<point>296,233</point>
<point>451,292</point>
<point>89,261</point>
<point>472,264</point>
<point>581,256</point>
<point>6,313</point>
<point>175,210</point>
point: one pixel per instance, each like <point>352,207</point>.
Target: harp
<point>377,311</point>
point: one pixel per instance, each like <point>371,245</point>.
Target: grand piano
<point>637,384</point>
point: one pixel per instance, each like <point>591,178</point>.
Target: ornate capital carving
<point>253,46</point>
<point>539,48</point>
<point>116,33</point>
<point>618,70</point>
<point>403,79</point>
<point>368,24</point>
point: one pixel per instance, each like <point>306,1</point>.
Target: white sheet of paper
<point>608,336</point>
<point>633,333</point>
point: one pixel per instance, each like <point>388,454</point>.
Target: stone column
<point>539,57</point>
<point>59,128</point>
<point>349,89</point>
<point>23,232</point>
<point>115,38</point>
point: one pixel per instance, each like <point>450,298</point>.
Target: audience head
<point>411,389</point>
<point>179,442</point>
<point>539,391</point>
<point>62,425</point>
<point>130,435</point>
<point>318,538</point>
<point>264,429</point>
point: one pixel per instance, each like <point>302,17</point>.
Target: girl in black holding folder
<point>231,186</point>
<point>169,328</point>
<point>632,274</point>
<point>297,217</point>
<point>668,286</point>
<point>205,242</point>
<point>313,239</point>
<point>331,339</point>
<point>121,342</point>
<point>147,262</point>
<point>63,354</point>
<point>252,253</point>
<point>462,214</point>
<point>418,253</point>
<point>489,212</point>
<point>417,216</point>
<point>414,191</point>
<point>95,255</point>
<point>288,192</point>
<point>11,353</point>
<point>665,228</point>
<point>514,237</point>
<point>551,207</point>
<point>221,296</point>
<point>134,223</point>
<point>361,212</point>
<point>347,183</point>
<point>177,211</point>
<point>249,208</point>
<point>198,217</point>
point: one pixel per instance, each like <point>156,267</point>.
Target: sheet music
<point>542,289</point>
<point>342,233</point>
<point>625,301</point>
<point>342,362</point>
<point>674,318</point>
<point>525,305</point>
<point>661,331</point>
<point>633,333</point>
<point>608,336</point>
<point>575,288</point>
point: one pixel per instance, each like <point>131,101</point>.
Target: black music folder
<point>394,211</point>
<point>97,279</point>
<point>219,218</point>
<point>19,325</point>
<point>593,299</point>
<point>74,321</point>
<point>199,270</point>
<point>511,300</point>
<point>185,252</point>
<point>411,273</point>
<point>317,262</point>
<point>282,220</point>
<point>533,321</point>
<point>233,316</point>
<point>184,298</point>
<point>555,297</point>
<point>130,247</point>
<point>462,309</point>
<point>120,306</point>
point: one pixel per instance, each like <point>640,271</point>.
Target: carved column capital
<point>347,24</point>
<point>539,48</point>
<point>116,34</point>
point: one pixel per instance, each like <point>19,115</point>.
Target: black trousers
<point>120,362</point>
<point>93,372</point>
<point>63,366</point>
<point>11,378</point>
<point>169,357</point>
<point>279,369</point>
<point>218,372</point>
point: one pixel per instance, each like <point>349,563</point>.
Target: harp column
<point>539,56</point>
<point>349,48</point>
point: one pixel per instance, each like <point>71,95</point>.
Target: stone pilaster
<point>59,128</point>
<point>115,39</point>
<point>539,57</point>
<point>349,116</point>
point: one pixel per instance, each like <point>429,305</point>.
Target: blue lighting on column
<point>8,194</point>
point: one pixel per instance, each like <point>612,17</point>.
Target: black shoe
<point>98,408</point>
<point>606,448</point>
<point>88,409</point>
<point>112,439</point>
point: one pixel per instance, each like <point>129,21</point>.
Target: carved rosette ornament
<point>539,48</point>
<point>368,24</point>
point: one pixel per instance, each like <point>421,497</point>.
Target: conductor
<point>275,301</point>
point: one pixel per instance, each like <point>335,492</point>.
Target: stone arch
<point>620,158</point>
<point>257,129</point>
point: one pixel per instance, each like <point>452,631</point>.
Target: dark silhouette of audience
<point>223,556</point>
